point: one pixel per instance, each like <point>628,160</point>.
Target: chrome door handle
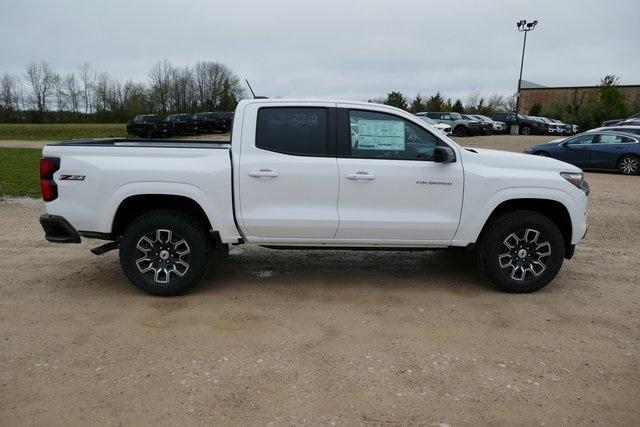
<point>361,176</point>
<point>264,173</point>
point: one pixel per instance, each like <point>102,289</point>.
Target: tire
<point>541,153</point>
<point>629,164</point>
<point>459,131</point>
<point>182,254</point>
<point>149,134</point>
<point>525,130</point>
<point>534,259</point>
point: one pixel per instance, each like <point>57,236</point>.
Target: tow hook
<point>103,249</point>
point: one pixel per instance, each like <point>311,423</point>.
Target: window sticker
<point>369,134</point>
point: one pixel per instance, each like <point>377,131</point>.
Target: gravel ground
<point>323,337</point>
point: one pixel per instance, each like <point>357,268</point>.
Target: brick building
<point>533,93</point>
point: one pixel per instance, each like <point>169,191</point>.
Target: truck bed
<point>135,142</point>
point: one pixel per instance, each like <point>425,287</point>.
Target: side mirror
<point>443,155</point>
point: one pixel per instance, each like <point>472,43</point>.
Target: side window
<point>293,130</point>
<point>383,136</point>
<point>137,119</point>
<point>446,116</point>
<point>627,140</point>
<point>610,139</point>
<point>581,140</point>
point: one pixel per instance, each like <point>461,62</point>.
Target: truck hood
<point>510,160</point>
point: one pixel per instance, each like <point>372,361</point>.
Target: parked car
<point>182,124</point>
<point>624,129</point>
<point>307,175</point>
<point>496,127</point>
<point>528,126</point>
<point>446,129</point>
<point>225,118</point>
<point>554,128</point>
<point>595,150</point>
<point>480,126</point>
<point>148,126</point>
<point>567,129</point>
<point>208,122</point>
<point>459,125</point>
<point>614,122</point>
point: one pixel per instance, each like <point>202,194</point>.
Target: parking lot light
<point>525,27</point>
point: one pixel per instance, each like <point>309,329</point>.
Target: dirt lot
<point>280,337</point>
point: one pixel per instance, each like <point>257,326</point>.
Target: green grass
<point>20,172</point>
<point>58,131</point>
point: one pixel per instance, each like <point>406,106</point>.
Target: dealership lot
<point>323,337</point>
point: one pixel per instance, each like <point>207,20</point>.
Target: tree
<point>435,103</point>
<point>535,109</point>
<point>9,96</point>
<point>160,85</point>
<point>87,75</point>
<point>396,99</point>
<point>417,104</point>
<point>228,101</point>
<point>72,93</point>
<point>41,79</point>
<point>458,107</point>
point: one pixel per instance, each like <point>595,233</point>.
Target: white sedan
<point>441,127</point>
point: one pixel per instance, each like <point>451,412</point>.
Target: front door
<point>288,174</point>
<point>575,150</point>
<point>391,190</point>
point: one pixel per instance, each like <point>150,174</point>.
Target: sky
<point>357,49</point>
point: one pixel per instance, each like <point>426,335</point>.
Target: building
<point>533,93</point>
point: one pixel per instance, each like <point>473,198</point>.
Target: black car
<point>225,118</point>
<point>148,126</point>
<point>595,150</point>
<point>528,126</point>
<point>614,122</point>
<point>479,125</point>
<point>211,122</point>
<point>182,124</point>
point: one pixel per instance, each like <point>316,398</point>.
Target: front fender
<point>473,219</point>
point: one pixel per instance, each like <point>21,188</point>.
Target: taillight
<point>48,187</point>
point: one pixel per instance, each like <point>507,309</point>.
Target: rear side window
<point>293,130</point>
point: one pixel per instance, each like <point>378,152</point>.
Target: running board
<point>103,249</point>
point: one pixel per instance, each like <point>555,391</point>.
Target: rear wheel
<point>629,165</point>
<point>521,251</point>
<point>165,252</point>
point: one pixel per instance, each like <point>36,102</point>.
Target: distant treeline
<point>86,95</point>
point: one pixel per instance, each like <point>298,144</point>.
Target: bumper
<point>58,230</point>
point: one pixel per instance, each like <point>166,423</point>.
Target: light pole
<point>525,27</point>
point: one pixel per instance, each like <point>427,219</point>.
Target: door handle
<point>264,173</point>
<point>361,176</point>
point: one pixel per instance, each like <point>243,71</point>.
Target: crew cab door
<point>391,190</point>
<point>288,173</point>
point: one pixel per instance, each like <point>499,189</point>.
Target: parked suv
<point>459,125</point>
<point>528,126</point>
<point>478,125</point>
<point>182,124</point>
<point>148,126</point>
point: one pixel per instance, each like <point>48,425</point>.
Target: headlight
<point>577,179</point>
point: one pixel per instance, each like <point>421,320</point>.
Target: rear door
<point>607,150</point>
<point>288,177</point>
<point>391,190</point>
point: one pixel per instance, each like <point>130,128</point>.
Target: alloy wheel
<point>524,255</point>
<point>629,165</point>
<point>161,254</point>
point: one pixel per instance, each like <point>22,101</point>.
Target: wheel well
<point>626,154</point>
<point>134,206</point>
<point>553,210</point>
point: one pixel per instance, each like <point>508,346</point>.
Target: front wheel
<point>164,252</point>
<point>521,251</point>
<point>629,165</point>
<point>525,130</point>
<point>460,131</point>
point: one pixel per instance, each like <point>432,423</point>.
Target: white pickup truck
<point>301,174</point>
